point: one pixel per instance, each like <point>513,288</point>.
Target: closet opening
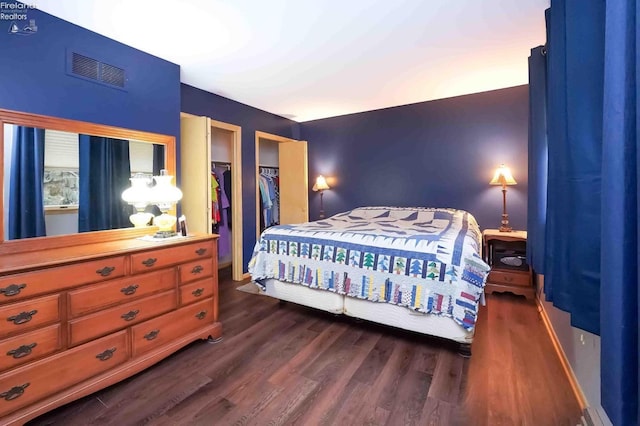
<point>281,181</point>
<point>211,182</point>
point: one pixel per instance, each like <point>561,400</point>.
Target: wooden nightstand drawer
<point>509,278</point>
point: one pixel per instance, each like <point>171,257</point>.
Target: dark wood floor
<point>293,365</point>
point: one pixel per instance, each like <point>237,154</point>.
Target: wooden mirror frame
<point>80,127</point>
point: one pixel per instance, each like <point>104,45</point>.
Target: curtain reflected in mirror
<point>105,170</point>
<point>26,207</point>
<point>59,183</point>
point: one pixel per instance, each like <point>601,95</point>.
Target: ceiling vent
<point>92,69</point>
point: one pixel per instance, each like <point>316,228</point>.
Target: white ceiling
<point>310,59</point>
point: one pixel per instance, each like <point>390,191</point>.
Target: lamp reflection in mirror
<point>503,177</point>
<point>320,185</point>
<point>165,195</point>
<point>139,195</point>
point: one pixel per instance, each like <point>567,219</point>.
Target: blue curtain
<point>593,216</point>
<point>158,159</point>
<point>537,197</point>
<point>620,214</point>
<point>105,170</point>
<point>575,67</point>
<point>26,205</point>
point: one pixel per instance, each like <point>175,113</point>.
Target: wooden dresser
<point>77,319</point>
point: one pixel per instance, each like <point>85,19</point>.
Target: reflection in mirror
<point>58,182</point>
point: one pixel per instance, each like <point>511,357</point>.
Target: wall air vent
<point>92,69</point>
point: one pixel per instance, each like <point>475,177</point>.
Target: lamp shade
<point>139,193</point>
<point>321,184</point>
<point>503,176</point>
<point>164,194</point>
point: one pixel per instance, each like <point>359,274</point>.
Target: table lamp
<point>503,177</point>
<point>320,185</point>
<point>138,195</point>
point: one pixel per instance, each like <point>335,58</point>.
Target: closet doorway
<point>281,181</point>
<point>211,182</point>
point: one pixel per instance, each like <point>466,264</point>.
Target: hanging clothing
<point>226,177</point>
<point>215,191</point>
<point>224,240</point>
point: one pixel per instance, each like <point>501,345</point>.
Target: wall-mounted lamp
<point>320,185</point>
<point>503,177</point>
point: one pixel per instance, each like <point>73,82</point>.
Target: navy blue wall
<point>439,153</point>
<point>34,78</point>
<point>199,102</point>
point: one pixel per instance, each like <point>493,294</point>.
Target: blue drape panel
<point>105,170</point>
<point>26,204</point>
<point>158,159</point>
<point>620,215</point>
<point>537,196</point>
<point>574,76</point>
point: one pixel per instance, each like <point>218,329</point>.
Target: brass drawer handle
<point>14,392</point>
<point>197,269</point>
<point>22,351</point>
<point>200,315</point>
<point>106,355</point>
<point>507,278</point>
<point>106,271</point>
<point>201,251</point>
<point>130,316</point>
<point>152,335</point>
<point>12,289</point>
<point>22,317</point>
<point>128,291</point>
<point>149,262</point>
<point>198,292</point>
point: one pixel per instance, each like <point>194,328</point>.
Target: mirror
<point>61,189</point>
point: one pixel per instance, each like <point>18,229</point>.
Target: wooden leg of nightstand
<point>527,292</point>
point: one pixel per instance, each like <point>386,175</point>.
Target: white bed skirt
<point>383,313</point>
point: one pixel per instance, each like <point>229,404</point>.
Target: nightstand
<point>506,253</point>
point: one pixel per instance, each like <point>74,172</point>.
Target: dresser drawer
<point>509,278</point>
<point>97,296</point>
<point>20,286</point>
<point>160,258</point>
<point>196,270</point>
<point>29,346</point>
<point>158,331</point>
<point>23,316</point>
<point>30,383</point>
<point>103,322</point>
<point>198,290</point>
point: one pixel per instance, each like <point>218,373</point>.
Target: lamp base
<point>504,227</point>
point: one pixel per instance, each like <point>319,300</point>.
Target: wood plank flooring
<point>288,364</point>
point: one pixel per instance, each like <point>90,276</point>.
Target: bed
<point>416,268</point>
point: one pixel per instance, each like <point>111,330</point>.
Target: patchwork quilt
<point>426,259</point>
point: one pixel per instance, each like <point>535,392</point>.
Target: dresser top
<point>23,261</point>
